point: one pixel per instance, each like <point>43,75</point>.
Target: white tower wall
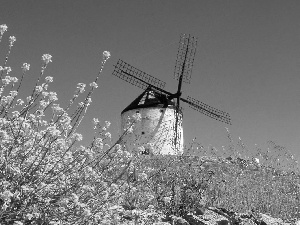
<point>156,127</point>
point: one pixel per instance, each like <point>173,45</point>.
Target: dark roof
<point>150,98</point>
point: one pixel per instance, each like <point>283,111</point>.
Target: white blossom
<point>38,89</point>
<point>13,93</point>
<point>47,58</point>
<point>106,55</point>
<point>53,96</point>
<point>81,87</point>
<point>89,100</point>
<point>3,28</point>
<point>5,81</point>
<point>15,113</point>
<point>96,121</point>
<point>14,79</point>
<point>12,39</point>
<point>20,102</point>
<point>107,124</point>
<point>78,137</point>
<point>108,135</point>
<point>53,131</point>
<point>94,85</point>
<point>25,67</point>
<point>28,99</point>
<point>8,69</point>
<point>49,79</point>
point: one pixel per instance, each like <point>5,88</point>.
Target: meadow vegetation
<point>47,177</point>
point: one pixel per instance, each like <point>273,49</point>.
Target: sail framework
<point>136,77</point>
<point>208,110</point>
<point>185,58</point>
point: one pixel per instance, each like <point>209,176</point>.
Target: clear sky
<point>247,61</point>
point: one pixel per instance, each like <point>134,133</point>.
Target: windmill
<point>157,103</point>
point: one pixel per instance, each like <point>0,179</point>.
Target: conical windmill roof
<point>149,99</point>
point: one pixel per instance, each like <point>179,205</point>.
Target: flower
<point>108,135</point>
<point>3,28</point>
<point>14,79</point>
<point>28,99</point>
<point>38,89</point>
<point>44,86</point>
<point>98,143</point>
<point>53,96</point>
<point>47,58</point>
<point>53,131</point>
<point>81,87</point>
<point>107,124</point>
<point>5,81</point>
<point>13,93</point>
<point>94,85</point>
<point>15,113</point>
<point>12,39</point>
<point>25,67</point>
<point>43,104</point>
<point>49,79</point>
<point>89,100</point>
<point>45,93</point>
<point>8,69</point>
<point>20,102</point>
<point>77,137</point>
<point>106,55</point>
<point>96,121</point>
<point>57,109</point>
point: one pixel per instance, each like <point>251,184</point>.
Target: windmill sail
<point>185,58</point>
<point>136,77</point>
<point>208,110</point>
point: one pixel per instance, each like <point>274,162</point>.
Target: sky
<point>247,61</point>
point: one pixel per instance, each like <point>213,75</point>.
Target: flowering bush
<point>46,177</point>
<point>43,176</point>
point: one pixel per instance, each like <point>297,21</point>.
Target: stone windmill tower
<point>157,129</point>
<point>160,128</point>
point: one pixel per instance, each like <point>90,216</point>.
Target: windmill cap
<point>150,99</point>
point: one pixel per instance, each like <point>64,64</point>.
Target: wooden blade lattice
<point>208,110</point>
<point>136,77</point>
<point>185,57</point>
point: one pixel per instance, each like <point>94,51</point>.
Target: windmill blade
<point>185,58</point>
<point>136,77</point>
<point>208,110</point>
